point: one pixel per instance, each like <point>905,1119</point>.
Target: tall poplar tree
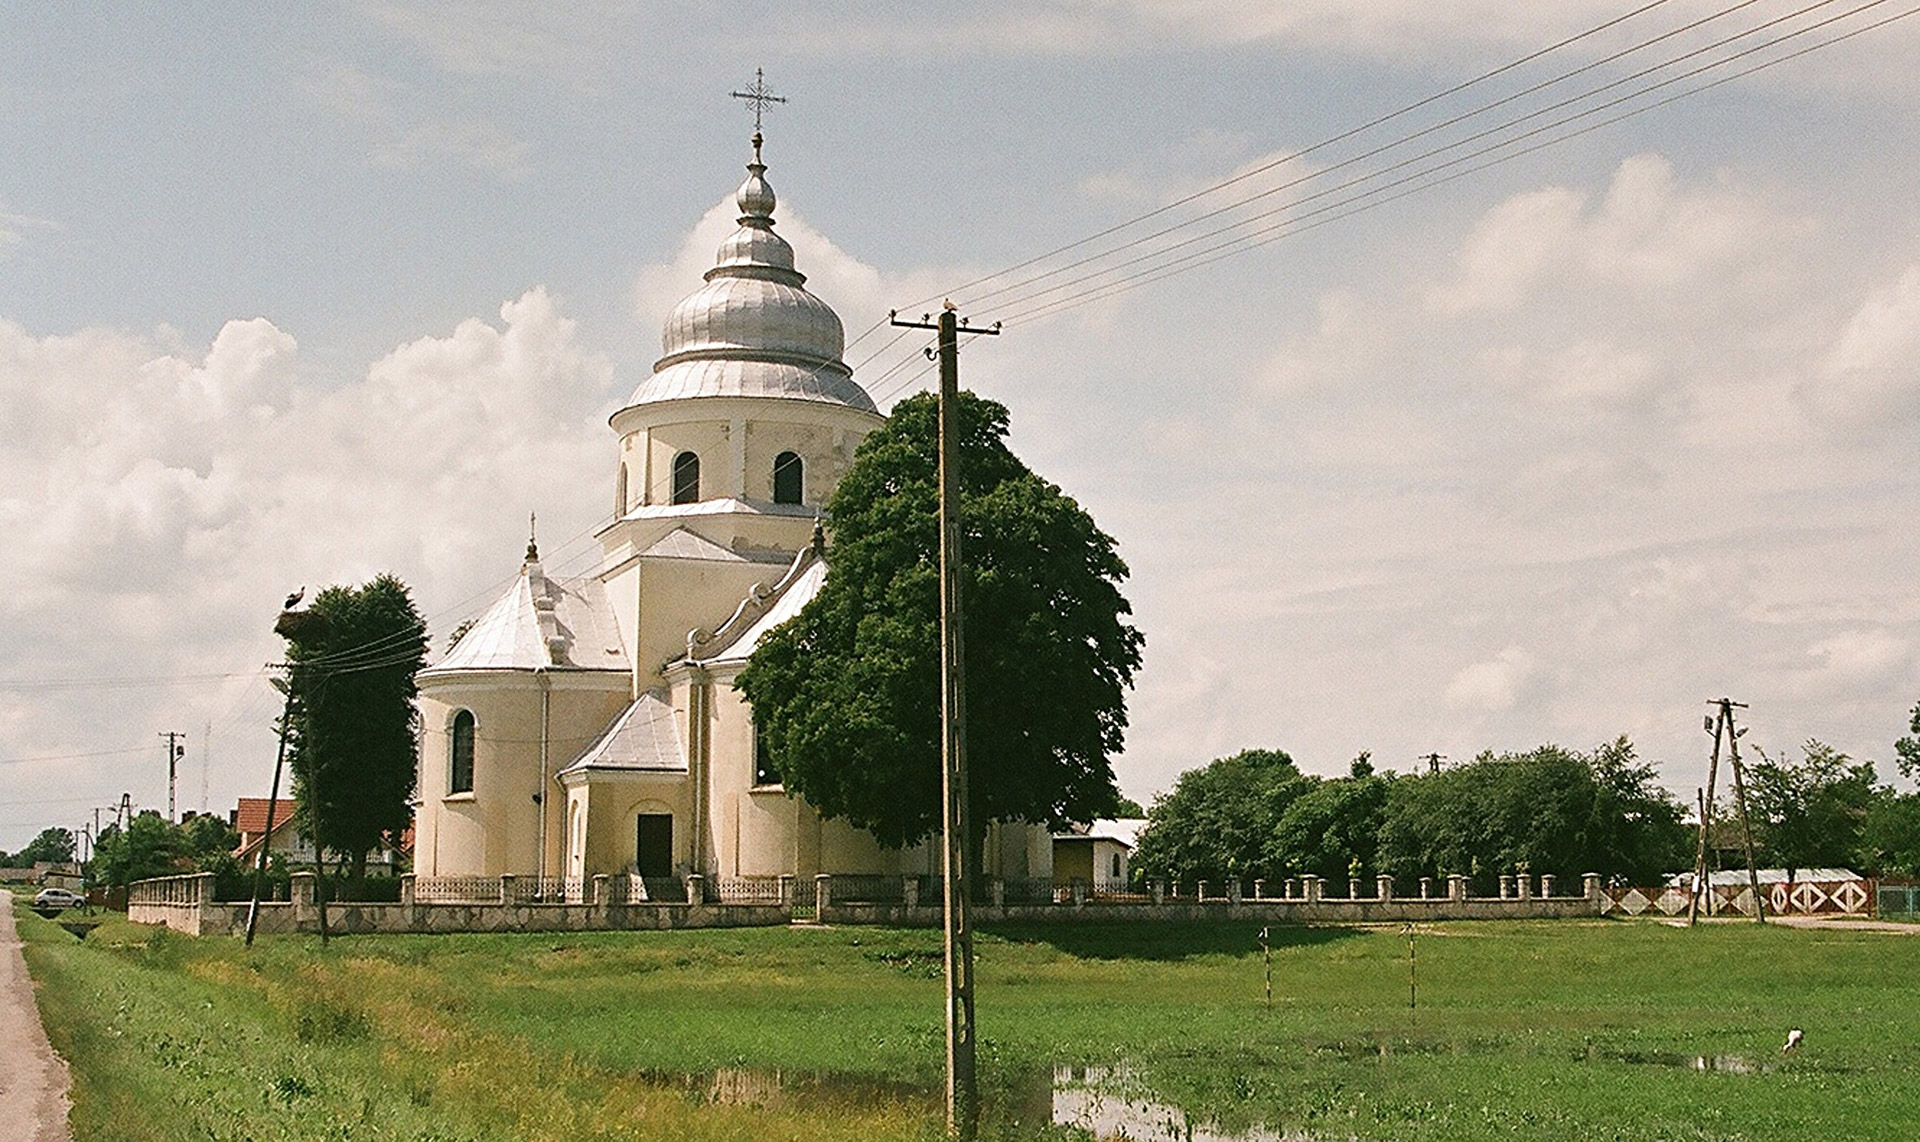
<point>352,743</point>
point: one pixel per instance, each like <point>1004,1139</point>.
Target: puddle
<point>1723,1064</point>
<point>1108,1102</point>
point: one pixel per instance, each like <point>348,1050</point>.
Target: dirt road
<point>33,1080</point>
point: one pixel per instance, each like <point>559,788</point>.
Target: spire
<point>533,548</point>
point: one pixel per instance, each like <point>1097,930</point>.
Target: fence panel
<point>1902,900</point>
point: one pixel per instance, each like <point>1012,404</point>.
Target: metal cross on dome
<point>759,97</point>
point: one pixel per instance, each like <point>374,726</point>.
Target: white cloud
<point>1493,685</point>
<point>402,132</point>
<point>1870,379</point>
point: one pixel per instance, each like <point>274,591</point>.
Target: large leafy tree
<point>847,694</point>
<point>1333,829</point>
<point>1217,822</point>
<point>353,655</point>
<point>1810,813</point>
<point>1555,810</point>
<point>54,845</point>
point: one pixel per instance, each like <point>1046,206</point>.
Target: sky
<point>1555,451</point>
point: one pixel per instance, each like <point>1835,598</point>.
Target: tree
<point>1555,810</point>
<point>1907,749</point>
<point>352,740</point>
<point>847,694</point>
<point>149,847</point>
<point>1809,814</point>
<point>1890,835</point>
<point>1332,830</point>
<point>1218,820</point>
<point>54,846</point>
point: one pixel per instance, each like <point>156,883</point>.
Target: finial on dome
<point>533,549</point>
<point>759,97</point>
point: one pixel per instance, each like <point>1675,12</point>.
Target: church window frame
<point>461,731</point>
<point>686,478</point>
<point>789,478</point>
<point>766,772</point>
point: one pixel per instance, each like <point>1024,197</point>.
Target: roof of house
<point>1124,831</point>
<point>646,736</point>
<point>250,815</point>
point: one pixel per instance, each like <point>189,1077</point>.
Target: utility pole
<point>1702,875</point>
<point>175,751</point>
<point>1433,761</point>
<point>1727,706</point>
<point>963,1090</point>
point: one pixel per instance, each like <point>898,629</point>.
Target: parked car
<point>57,899</point>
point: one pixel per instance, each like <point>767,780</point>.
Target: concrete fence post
<point>1524,882</point>
<point>696,888</point>
<point>1199,890</point>
<point>1590,886</point>
<point>1426,888</point>
<point>1546,885</point>
<point>1259,888</point>
<point>1158,889</point>
<point>1079,893</point>
<point>786,890</point>
<point>506,887</point>
<point>406,890</point>
<point>822,896</point>
<point>1289,888</point>
<point>1506,886</point>
<point>203,888</point>
<point>999,893</point>
<point>1456,887</point>
<point>1310,885</point>
<point>1233,891</point>
<point>910,891</point>
<point>600,896</point>
<point>1383,886</point>
<point>1353,888</point>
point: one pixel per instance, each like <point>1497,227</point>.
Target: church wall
<point>496,828</point>
<point>824,452</point>
<point>614,799</point>
<point>708,439</point>
<point>678,595</point>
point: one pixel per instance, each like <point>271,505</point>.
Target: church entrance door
<point>653,844</point>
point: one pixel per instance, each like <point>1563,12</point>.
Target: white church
<point>590,725</point>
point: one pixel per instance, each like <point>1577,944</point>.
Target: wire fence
<point>1898,900</point>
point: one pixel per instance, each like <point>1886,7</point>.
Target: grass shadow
<point>1126,940</point>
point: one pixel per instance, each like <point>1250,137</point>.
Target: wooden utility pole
<point>1702,875</point>
<point>1740,795</point>
<point>273,804</point>
<point>963,1090</point>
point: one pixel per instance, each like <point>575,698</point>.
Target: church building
<point>590,725</point>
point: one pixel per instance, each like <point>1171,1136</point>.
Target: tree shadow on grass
<point>1133,940</point>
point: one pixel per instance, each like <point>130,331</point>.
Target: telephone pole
<point>963,1090</point>
<point>1433,761</point>
<point>175,751</point>
<point>1727,706</point>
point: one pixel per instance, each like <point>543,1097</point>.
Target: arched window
<point>620,493</point>
<point>686,478</point>
<point>788,485</point>
<point>460,769</point>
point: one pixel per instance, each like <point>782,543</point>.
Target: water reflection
<point>1110,1102</point>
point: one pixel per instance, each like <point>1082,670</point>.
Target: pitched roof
<point>646,736</point>
<point>541,623</point>
<point>250,815</point>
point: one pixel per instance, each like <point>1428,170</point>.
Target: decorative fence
<point>1782,898</point>
<point>625,901</point>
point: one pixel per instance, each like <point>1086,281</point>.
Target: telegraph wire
<point>1302,153</point>
<point>1245,242</point>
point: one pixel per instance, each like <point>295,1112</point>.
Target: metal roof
<point>646,736</point>
<point>539,624</point>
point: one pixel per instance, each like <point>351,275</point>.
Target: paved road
<point>33,1080</point>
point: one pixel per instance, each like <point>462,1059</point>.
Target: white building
<point>586,726</point>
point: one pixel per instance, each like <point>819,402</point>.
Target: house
<point>589,725</point>
<point>249,820</point>
<point>1098,854</point>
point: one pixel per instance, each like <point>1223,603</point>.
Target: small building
<point>1097,854</point>
<point>249,819</point>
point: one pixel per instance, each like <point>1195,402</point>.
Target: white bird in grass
<point>1793,1040</point>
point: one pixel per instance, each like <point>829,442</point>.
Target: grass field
<point>1551,1030</point>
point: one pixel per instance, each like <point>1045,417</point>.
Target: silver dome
<point>753,329</point>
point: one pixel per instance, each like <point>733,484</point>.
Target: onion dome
<point>753,329</point>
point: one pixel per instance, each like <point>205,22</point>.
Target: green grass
<point>1530,1030</point>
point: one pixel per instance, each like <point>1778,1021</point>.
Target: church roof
<point>683,544</point>
<point>753,329</point>
<point>793,593</point>
<point>646,736</point>
<point>540,624</point>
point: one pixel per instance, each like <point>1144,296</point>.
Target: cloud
<point>14,229</point>
<point>1870,379</point>
<point>1493,685</point>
